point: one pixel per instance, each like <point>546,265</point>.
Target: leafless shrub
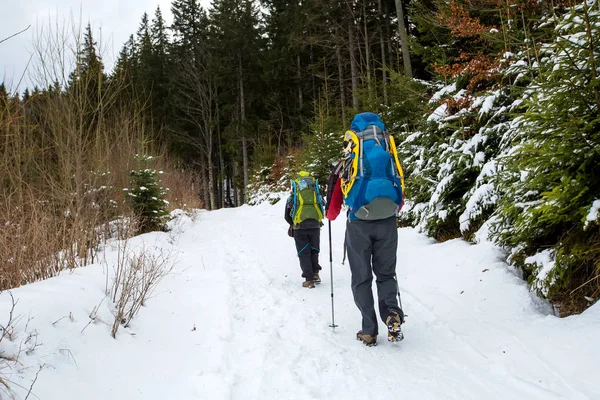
<point>8,328</point>
<point>34,381</point>
<point>184,189</point>
<point>184,185</point>
<point>60,176</point>
<point>70,316</point>
<point>11,349</point>
<point>93,316</point>
<point>61,179</point>
<point>135,278</point>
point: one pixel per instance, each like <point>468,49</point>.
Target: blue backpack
<point>372,179</point>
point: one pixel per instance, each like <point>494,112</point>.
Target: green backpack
<point>308,203</point>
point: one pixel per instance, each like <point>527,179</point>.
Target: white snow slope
<point>473,330</point>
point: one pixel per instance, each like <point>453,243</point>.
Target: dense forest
<point>494,105</point>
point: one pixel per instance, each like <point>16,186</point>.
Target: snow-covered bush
<point>550,177</point>
<point>269,181</point>
<point>450,162</point>
<point>147,197</point>
<point>521,155</point>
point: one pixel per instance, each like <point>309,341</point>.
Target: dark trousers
<point>372,247</point>
<point>307,245</point>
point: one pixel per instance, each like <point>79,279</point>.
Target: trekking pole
<point>333,325</point>
<point>399,297</point>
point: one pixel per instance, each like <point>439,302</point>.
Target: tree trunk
<point>388,34</point>
<point>233,179</point>
<point>227,188</point>
<point>221,181</point>
<point>211,180</point>
<point>244,140</point>
<point>338,55</point>
<point>203,174</point>
<point>314,85</point>
<point>299,77</point>
<point>240,196</point>
<point>222,173</point>
<point>245,166</point>
<point>404,39</point>
<point>353,66</point>
<point>367,51</point>
<point>382,45</point>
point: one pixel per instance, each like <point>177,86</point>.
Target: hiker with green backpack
<point>370,182</point>
<point>304,213</point>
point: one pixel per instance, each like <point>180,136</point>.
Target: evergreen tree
<point>3,97</point>
<point>89,63</point>
<point>122,79</point>
<point>124,63</point>
<point>189,19</point>
<point>551,175</point>
<point>147,197</point>
<point>161,62</point>
<point>188,53</point>
<point>283,70</point>
<point>160,39</point>
<point>145,58</point>
<point>236,46</point>
<point>86,83</point>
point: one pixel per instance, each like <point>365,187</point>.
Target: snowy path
<point>472,332</point>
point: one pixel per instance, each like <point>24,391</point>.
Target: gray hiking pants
<point>372,247</point>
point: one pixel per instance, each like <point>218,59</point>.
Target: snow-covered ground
<point>232,322</point>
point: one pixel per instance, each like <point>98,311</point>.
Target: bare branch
<point>12,36</point>
<point>7,330</point>
<point>33,383</point>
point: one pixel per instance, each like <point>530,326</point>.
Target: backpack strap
<point>394,152</point>
<point>361,148</point>
<point>319,198</point>
<point>295,193</point>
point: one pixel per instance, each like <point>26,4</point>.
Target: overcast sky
<point>112,22</point>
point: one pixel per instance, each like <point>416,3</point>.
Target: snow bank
<point>594,213</point>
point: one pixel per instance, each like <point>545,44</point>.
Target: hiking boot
<point>393,323</point>
<point>368,340</point>
<point>317,278</point>
<point>308,284</point>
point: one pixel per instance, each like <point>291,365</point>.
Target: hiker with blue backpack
<point>369,181</point>
<point>304,213</point>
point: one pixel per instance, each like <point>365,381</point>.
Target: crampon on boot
<point>368,340</point>
<point>393,323</point>
<point>317,278</point>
